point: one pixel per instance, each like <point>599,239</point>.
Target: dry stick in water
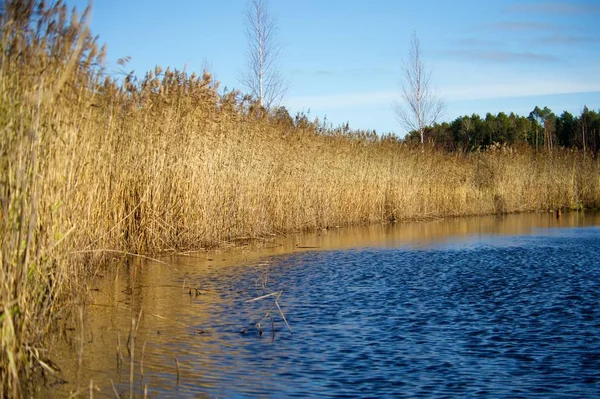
<point>263,278</point>
<point>268,314</point>
<point>119,354</point>
<point>177,365</point>
<point>114,389</point>
<point>264,296</point>
<point>197,330</point>
<point>134,328</point>
<point>78,393</point>
<point>138,321</point>
<point>132,352</point>
<point>133,332</point>
<point>277,295</point>
<point>282,315</point>
<point>272,326</point>
<point>142,358</point>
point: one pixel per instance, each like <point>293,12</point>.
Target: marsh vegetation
<point>95,168</point>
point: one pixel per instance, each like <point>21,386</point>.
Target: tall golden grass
<point>91,166</point>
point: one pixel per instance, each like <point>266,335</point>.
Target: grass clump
<point>91,166</point>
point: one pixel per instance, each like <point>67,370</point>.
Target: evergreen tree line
<point>542,129</point>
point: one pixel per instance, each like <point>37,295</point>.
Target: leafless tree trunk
<point>261,76</point>
<point>419,106</point>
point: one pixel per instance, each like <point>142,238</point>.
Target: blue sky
<point>343,57</point>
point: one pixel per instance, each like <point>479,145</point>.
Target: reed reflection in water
<point>502,306</point>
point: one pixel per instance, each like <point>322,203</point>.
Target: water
<point>497,307</point>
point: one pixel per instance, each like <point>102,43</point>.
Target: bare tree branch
<point>419,105</point>
<point>261,76</point>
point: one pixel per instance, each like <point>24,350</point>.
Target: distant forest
<point>542,129</point>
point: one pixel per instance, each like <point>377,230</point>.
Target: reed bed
<point>91,167</point>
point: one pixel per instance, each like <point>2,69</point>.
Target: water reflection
<point>435,231</point>
<point>429,308</point>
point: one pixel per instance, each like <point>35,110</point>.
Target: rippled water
<point>467,314</point>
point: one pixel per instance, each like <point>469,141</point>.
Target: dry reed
<point>91,167</point>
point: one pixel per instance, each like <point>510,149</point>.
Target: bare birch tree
<point>261,76</point>
<point>419,106</point>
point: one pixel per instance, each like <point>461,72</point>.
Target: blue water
<point>502,317</point>
<point>491,316</point>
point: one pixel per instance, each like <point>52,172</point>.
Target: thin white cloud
<point>567,40</point>
<point>477,42</point>
<point>451,93</point>
<point>347,100</point>
<point>555,7</point>
<point>501,56</point>
<point>527,88</point>
<point>522,26</point>
<point>345,71</point>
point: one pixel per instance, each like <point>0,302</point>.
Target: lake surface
<point>494,306</point>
